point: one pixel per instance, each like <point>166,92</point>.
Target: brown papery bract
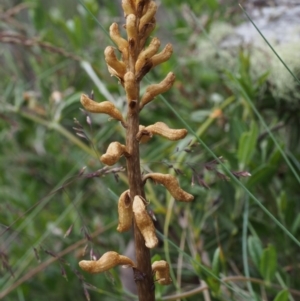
<point>125,212</point>
<point>171,184</point>
<point>107,261</point>
<point>144,222</point>
<point>113,153</point>
<point>162,272</point>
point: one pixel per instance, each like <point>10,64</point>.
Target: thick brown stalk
<point>145,284</point>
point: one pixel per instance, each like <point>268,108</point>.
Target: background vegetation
<point>239,236</point>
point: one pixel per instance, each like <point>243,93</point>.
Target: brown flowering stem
<point>143,259</point>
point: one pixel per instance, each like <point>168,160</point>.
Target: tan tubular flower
<point>131,27</point>
<point>147,53</point>
<point>145,32</point>
<point>156,89</point>
<point>121,42</point>
<point>104,107</point>
<point>107,261</point>
<point>149,14</point>
<point>113,153</point>
<point>162,272</point>
<point>171,184</point>
<point>130,87</point>
<point>144,222</point>
<point>163,56</point>
<point>128,7</point>
<point>125,212</point>
<point>111,59</point>
<point>160,128</point>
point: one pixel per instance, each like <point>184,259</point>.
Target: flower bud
<point>125,212</point>
<point>156,89</point>
<point>171,184</point>
<point>162,272</point>
<point>104,107</point>
<point>113,153</point>
<point>107,261</point>
<point>144,222</point>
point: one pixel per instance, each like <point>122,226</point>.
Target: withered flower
<point>107,261</point>
<point>105,107</point>
<point>113,153</point>
<point>160,128</point>
<point>172,185</point>
<point>153,90</point>
<point>116,67</point>
<point>144,222</point>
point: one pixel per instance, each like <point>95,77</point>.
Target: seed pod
<point>118,66</point>
<point>160,128</point>
<point>113,153</point>
<point>163,56</point>
<point>104,107</point>
<point>146,54</point>
<point>162,272</point>
<point>107,261</point>
<point>144,222</point>
<point>125,212</point>
<point>148,16</point>
<point>153,90</point>
<point>121,42</point>
<point>171,184</point>
<point>128,7</point>
<point>130,87</point>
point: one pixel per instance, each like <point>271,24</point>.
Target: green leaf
<point>262,175</point>
<point>268,263</point>
<point>281,201</point>
<point>247,144</point>
<point>282,296</point>
<point>255,249</point>
<point>216,262</point>
<point>214,284</point>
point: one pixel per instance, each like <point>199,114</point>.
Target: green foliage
<point>57,56</point>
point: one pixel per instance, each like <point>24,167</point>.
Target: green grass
<point>236,241</point>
